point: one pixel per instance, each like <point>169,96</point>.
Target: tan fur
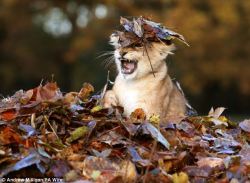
<point>155,95</point>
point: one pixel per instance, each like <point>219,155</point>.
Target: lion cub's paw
<point>109,99</point>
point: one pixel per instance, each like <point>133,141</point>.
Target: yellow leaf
<point>77,133</point>
<point>166,165</point>
<point>128,171</point>
<point>180,178</point>
<point>96,109</point>
<point>223,118</point>
<point>155,119</point>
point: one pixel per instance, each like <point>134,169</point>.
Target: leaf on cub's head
<point>127,38</point>
<point>143,30</point>
<point>128,25</point>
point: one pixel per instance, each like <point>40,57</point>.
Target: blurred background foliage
<point>41,38</point>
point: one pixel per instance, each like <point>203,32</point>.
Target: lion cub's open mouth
<point>128,66</point>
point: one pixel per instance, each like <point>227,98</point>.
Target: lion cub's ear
<point>163,48</point>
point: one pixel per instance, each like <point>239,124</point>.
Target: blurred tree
<point>39,38</point>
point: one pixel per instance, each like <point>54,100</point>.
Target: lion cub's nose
<point>123,53</point>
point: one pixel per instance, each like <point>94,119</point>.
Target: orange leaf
<point>86,90</point>
<point>138,114</point>
<point>8,115</point>
<point>8,136</point>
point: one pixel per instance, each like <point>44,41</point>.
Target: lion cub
<point>136,86</point>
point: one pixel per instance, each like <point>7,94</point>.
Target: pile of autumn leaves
<point>45,133</point>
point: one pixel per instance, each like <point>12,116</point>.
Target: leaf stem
<point>145,47</point>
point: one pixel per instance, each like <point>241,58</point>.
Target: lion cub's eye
<point>137,45</point>
<point>168,42</point>
<point>123,53</point>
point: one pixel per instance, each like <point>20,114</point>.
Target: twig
<point>105,87</point>
<point>47,120</point>
<point>41,83</point>
<point>151,155</point>
<point>150,159</point>
<point>32,120</point>
<point>145,47</point>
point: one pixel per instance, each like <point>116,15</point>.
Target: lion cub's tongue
<point>129,65</point>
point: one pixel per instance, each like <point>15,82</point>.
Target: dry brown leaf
<point>245,125</point>
<point>216,113</point>
<point>210,161</point>
<point>70,98</point>
<point>85,92</point>
<point>128,171</point>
